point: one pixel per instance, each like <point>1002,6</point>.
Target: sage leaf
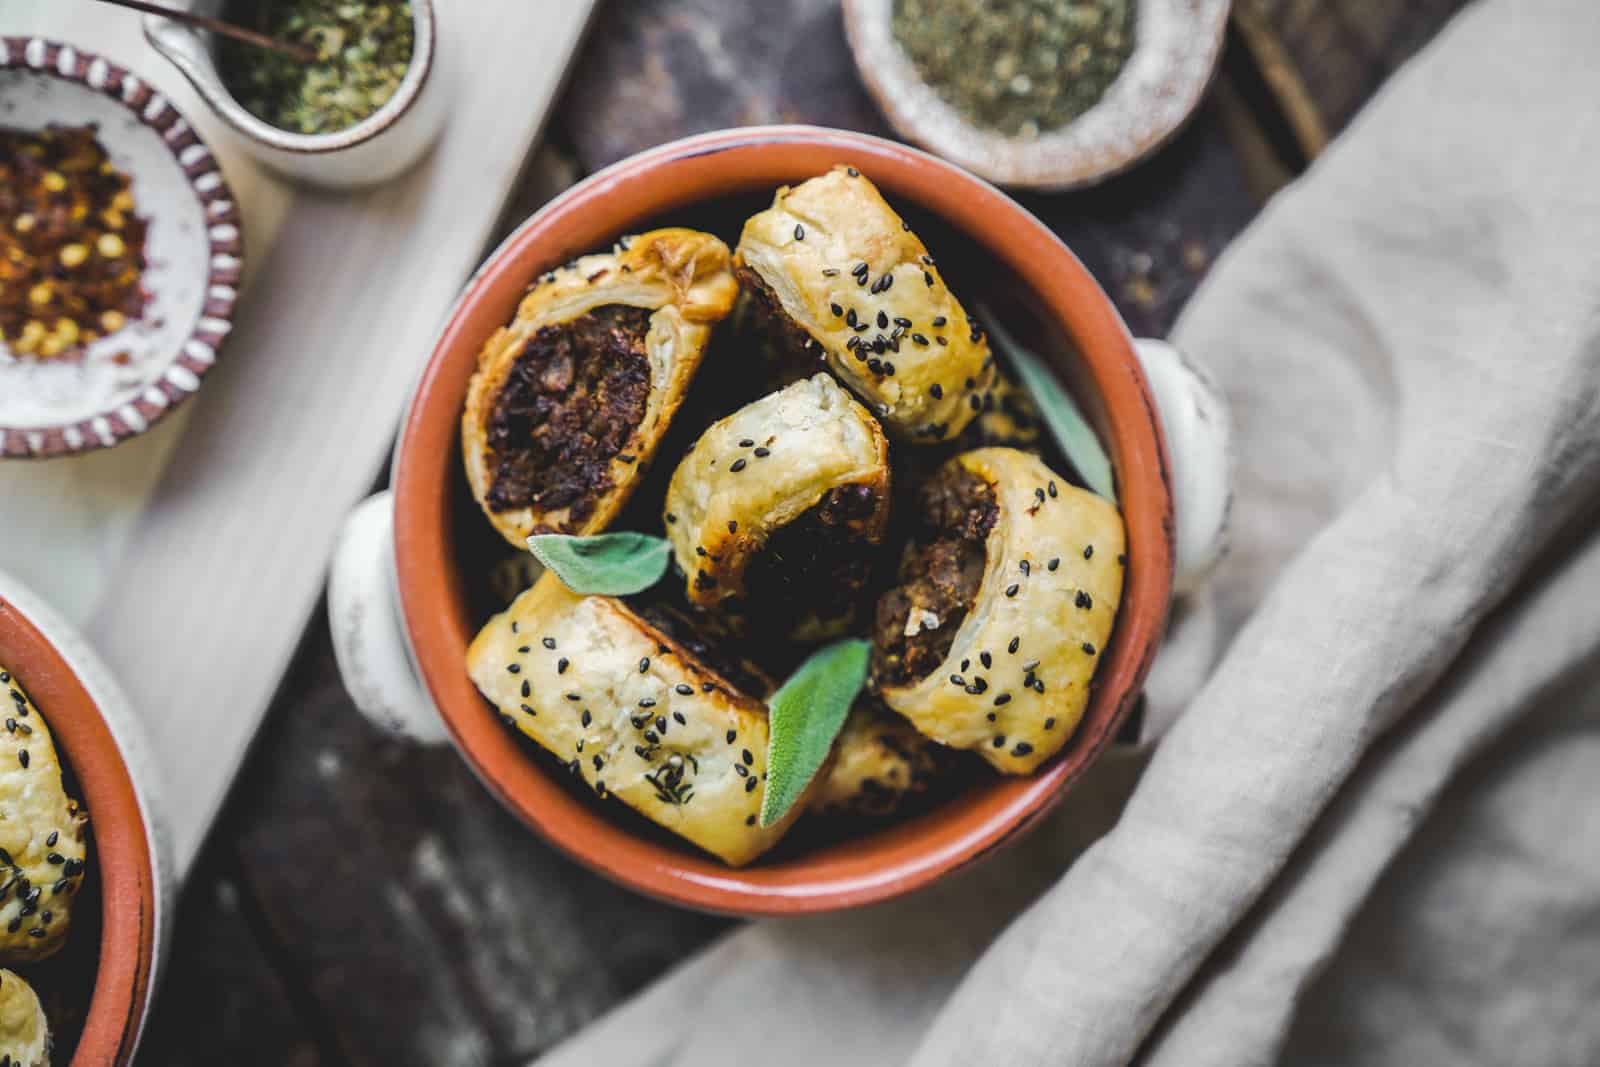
<point>1060,412</point>
<point>804,717</point>
<point>610,564</point>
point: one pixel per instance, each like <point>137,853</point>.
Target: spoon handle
<point>226,29</point>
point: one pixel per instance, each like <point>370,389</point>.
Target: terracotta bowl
<point>714,181</point>
<point>101,748</point>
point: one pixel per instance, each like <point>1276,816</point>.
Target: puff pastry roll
<point>840,274</point>
<point>779,506</point>
<point>571,399</point>
<point>991,638</point>
<point>880,764</point>
<point>24,1030</point>
<point>42,844</point>
<point>632,713</point>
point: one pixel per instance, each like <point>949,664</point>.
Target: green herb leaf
<point>612,564</point>
<point>1060,413</point>
<point>805,716</point>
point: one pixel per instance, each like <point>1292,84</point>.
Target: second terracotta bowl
<point>714,181</point>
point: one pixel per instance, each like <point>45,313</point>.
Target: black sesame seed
<point>549,642</point>
<point>749,820</point>
<point>748,757</point>
<point>746,442</point>
<point>1083,600</point>
<point>985,659</point>
<point>1002,700</point>
<point>1052,488</point>
<point>1011,590</point>
<point>22,758</point>
<point>883,320</point>
<point>975,403</point>
<point>851,342</point>
<point>524,649</point>
<point>708,687</point>
<point>562,664</point>
<point>55,859</point>
<point>661,723</point>
<point>647,702</point>
<point>920,340</point>
<point>927,279</point>
<point>1012,647</point>
<point>836,309</point>
<point>1088,552</point>
<point>762,453</point>
<point>1022,749</point>
<point>1025,567</point>
<point>799,232</point>
<point>50,842</point>
<point>1038,494</point>
<point>937,391</point>
<point>514,668</point>
<point>1053,564</point>
<point>652,737</point>
<point>741,770</point>
<point>1088,649</point>
<point>644,665</point>
<point>999,741</point>
<point>851,319</point>
<point>738,465</point>
<point>830,272</point>
<point>1050,723</point>
<point>888,368</point>
<point>991,716</point>
<point>750,785</point>
<point>731,735</point>
<point>671,518</point>
<point>940,321</point>
<point>956,679</point>
<point>941,340</point>
<point>684,689</point>
<point>574,697</point>
<point>678,718</point>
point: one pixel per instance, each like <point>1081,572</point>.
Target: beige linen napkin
<point>1410,338</point>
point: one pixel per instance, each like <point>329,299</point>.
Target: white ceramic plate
<point>130,379</point>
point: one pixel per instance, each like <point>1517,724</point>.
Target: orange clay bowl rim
<point>121,842</point>
<point>594,213</point>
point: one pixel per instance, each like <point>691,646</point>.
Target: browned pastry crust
<point>781,502</point>
<point>991,639</point>
<point>572,397</point>
<point>836,261</point>
<point>634,714</point>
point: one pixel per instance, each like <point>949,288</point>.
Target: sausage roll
<point>839,274</point>
<point>991,638</point>
<point>42,845</point>
<point>880,763</point>
<point>571,399</point>
<point>780,505</point>
<point>633,713</point>
<point>24,1030</point>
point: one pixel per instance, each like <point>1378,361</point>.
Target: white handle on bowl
<point>1199,432</point>
<point>369,638</point>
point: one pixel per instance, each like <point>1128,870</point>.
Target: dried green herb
<point>1021,67</point>
<point>806,715</point>
<point>612,564</point>
<point>364,48</point>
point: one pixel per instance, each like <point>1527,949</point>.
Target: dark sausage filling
<point>570,403</point>
<point>698,637</point>
<point>790,352</point>
<point>814,569</point>
<point>939,578</point>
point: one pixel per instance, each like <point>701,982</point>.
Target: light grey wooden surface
<point>193,557</point>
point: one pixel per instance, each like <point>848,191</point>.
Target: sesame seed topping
<point>549,642</point>
<point>985,659</point>
<point>937,391</point>
<point>1011,590</point>
<point>644,665</point>
<point>799,232</point>
<point>738,465</point>
<point>999,741</point>
<point>1012,647</point>
<point>1022,749</point>
<point>1088,649</point>
<point>514,668</point>
<point>1002,700</point>
<point>1053,564</point>
<point>683,689</point>
<point>1088,552</point>
<point>762,453</point>
<point>562,664</point>
<point>1083,600</point>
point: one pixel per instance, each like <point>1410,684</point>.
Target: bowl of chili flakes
<point>120,252</point>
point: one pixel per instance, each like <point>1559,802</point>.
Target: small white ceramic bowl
<point>132,378</point>
<point>374,150</point>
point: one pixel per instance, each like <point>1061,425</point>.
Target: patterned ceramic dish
<point>96,997</point>
<point>131,378</point>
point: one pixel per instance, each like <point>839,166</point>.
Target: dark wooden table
<point>364,902</point>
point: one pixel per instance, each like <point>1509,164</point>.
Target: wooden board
<point>444,933</point>
<point>195,555</point>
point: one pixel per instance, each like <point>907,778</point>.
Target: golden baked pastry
<point>41,834</point>
<point>780,505</point>
<point>24,1030</point>
<point>571,399</point>
<point>836,269</point>
<point>880,762</point>
<point>991,638</point>
<point>633,713</point>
